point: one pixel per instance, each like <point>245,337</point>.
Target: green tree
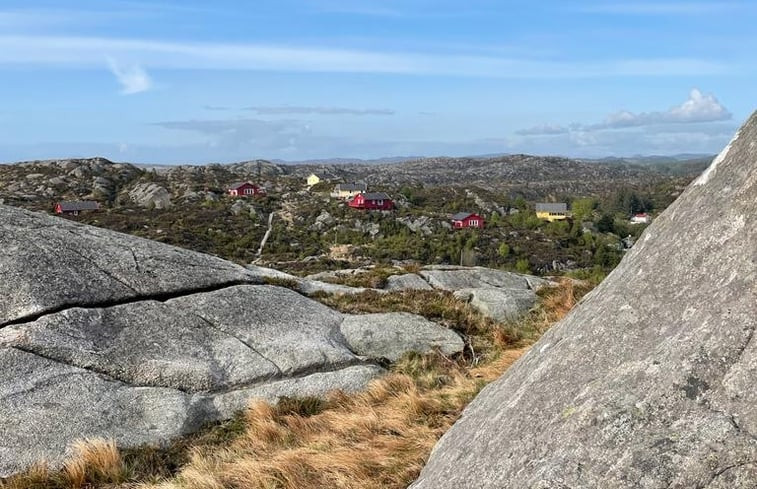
<point>582,209</point>
<point>606,224</point>
<point>504,250</point>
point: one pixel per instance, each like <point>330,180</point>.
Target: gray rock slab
<point>391,335</point>
<point>147,343</point>
<point>499,304</point>
<point>649,381</point>
<point>48,263</point>
<point>295,333</point>
<point>456,278</point>
<point>45,406</point>
<point>306,285</point>
<point>310,287</point>
<point>407,281</point>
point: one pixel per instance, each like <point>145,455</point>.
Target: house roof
<point>81,205</point>
<point>462,215</point>
<point>561,207</point>
<point>351,187</point>
<point>239,184</point>
<point>376,196</point>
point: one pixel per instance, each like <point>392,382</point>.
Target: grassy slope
<point>379,438</point>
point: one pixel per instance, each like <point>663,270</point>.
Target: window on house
<point>248,191</point>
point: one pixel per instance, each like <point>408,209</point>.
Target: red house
<point>372,201</point>
<point>467,220</point>
<point>74,208</point>
<point>245,189</point>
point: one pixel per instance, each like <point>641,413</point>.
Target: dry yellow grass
<point>379,438</point>
<point>95,463</point>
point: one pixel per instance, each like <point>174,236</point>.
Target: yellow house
<point>552,212</point>
<point>313,179</point>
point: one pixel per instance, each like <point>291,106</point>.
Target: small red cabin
<point>245,189</point>
<point>372,201</point>
<point>74,208</point>
<point>467,220</point>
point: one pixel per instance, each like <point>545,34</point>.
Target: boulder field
<point>650,382</point>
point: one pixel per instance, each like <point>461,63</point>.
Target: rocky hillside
<point>649,382</point>
<point>187,206</point>
<point>532,177</point>
<point>105,335</point>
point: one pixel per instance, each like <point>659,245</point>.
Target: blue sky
<point>197,81</point>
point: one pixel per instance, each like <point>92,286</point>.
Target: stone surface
<point>456,278</point>
<point>305,285</point>
<point>108,335</point>
<point>45,405</point>
<point>649,381</point>
<point>391,335</point>
<point>151,196</point>
<point>49,263</point>
<point>499,304</point>
<point>407,281</point>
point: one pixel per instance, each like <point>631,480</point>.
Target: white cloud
<point>85,52</point>
<point>132,78</point>
<point>698,108</point>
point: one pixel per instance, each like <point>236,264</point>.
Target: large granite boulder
<point>150,195</point>
<point>499,304</point>
<point>108,335</point>
<point>406,281</point>
<point>388,335</point>
<point>650,381</point>
<point>455,278</point>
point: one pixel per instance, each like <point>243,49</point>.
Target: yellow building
<point>313,179</point>
<point>552,212</point>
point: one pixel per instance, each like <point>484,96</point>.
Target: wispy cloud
<point>216,108</point>
<point>698,108</point>
<point>132,78</point>
<point>543,130</point>
<point>262,135</point>
<point>82,52</point>
<point>288,110</point>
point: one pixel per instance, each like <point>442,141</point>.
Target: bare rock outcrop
<point>108,335</point>
<point>650,381</point>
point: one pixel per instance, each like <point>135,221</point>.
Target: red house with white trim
<point>463,220</point>
<point>245,189</point>
<point>372,201</point>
